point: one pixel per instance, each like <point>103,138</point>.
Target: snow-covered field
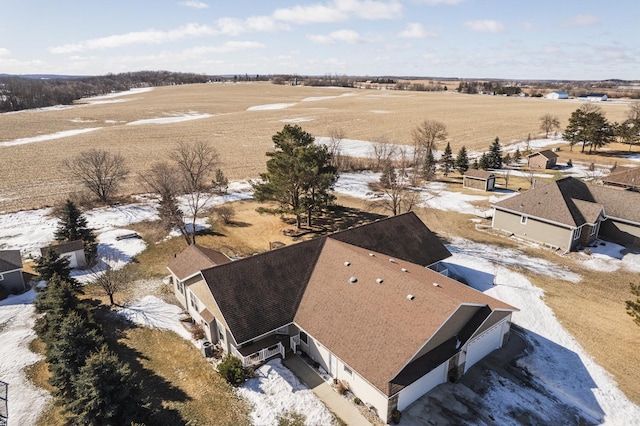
<point>493,270</point>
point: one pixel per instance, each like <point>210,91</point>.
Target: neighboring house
<point>363,303</point>
<point>11,279</point>
<point>479,179</point>
<point>557,95</point>
<point>594,97</point>
<point>627,179</point>
<point>72,250</point>
<point>569,213</point>
<point>542,160</point>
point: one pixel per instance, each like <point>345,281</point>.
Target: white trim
<point>577,233</point>
<point>262,335</point>
<point>1,277</point>
<point>541,219</point>
<point>12,271</point>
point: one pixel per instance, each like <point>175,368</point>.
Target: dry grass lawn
<point>34,175</point>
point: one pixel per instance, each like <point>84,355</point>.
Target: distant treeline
<point>18,93</point>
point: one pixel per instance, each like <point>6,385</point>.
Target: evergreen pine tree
<point>104,390</point>
<point>72,226</point>
<point>462,161</point>
<point>429,169</point>
<point>50,263</point>
<point>78,337</point>
<point>447,161</point>
<point>484,163</point>
<point>494,157</point>
<point>517,156</point>
<point>476,164</point>
<point>56,301</point>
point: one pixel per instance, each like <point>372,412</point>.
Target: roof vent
<point>392,260</point>
<point>405,270</point>
<point>436,285</point>
<point>372,255</point>
<point>347,263</point>
<point>379,280</point>
<point>353,280</point>
<point>410,297</point>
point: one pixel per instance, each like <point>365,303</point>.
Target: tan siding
<point>538,162</point>
<point>533,230</point>
<point>474,183</point>
<point>449,329</point>
<point>620,232</point>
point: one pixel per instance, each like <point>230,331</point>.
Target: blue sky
<point>541,39</point>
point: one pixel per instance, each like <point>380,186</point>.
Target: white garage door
<point>484,344</point>
<point>421,386</point>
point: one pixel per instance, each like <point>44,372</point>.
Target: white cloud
<point>347,36</point>
<point>582,21</point>
<point>339,11</point>
<point>485,25</point>
<point>233,26</point>
<point>138,37</point>
<point>4,51</point>
<point>229,46</point>
<point>194,4</point>
<point>437,2</point>
<point>416,30</point>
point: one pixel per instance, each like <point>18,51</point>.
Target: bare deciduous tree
<point>164,179</point>
<point>100,171</point>
<point>549,123</point>
<point>336,136</point>
<point>111,280</point>
<point>196,162</point>
<point>397,195</point>
<point>428,133</point>
<point>383,152</point>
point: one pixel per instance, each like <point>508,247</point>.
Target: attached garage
<point>421,386</point>
<point>483,344</point>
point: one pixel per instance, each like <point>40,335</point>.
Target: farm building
<point>557,95</point>
<point>569,213</point>
<point>364,303</point>
<point>542,160</point>
<point>627,179</point>
<point>594,97</point>
<point>72,250</point>
<point>479,179</point>
<point>11,279</point>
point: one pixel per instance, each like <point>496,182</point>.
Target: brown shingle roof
<point>10,260</point>
<point>361,320</point>
<point>547,153</point>
<point>573,203</point>
<point>194,259</point>
<point>261,293</point>
<point>629,178</point>
<point>403,236</point>
<point>478,174</point>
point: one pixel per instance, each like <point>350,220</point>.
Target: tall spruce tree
<point>447,160</point>
<point>429,168</point>
<point>50,263</point>
<point>299,174</point>
<point>78,337</point>
<point>104,389</point>
<point>462,161</point>
<point>494,157</point>
<point>72,226</point>
<point>57,300</point>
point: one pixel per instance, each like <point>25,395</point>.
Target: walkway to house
<point>334,402</point>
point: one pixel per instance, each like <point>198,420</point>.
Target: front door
<point>333,365</point>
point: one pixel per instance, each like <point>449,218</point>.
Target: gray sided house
<point>542,160</point>
<point>11,279</point>
<point>568,213</point>
<point>366,304</point>
<point>479,179</point>
<point>72,250</point>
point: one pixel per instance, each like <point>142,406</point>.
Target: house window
<point>1,277</point>
<point>523,220</point>
<point>180,286</point>
<point>594,229</point>
<point>348,370</point>
<point>303,337</point>
<point>194,301</point>
<point>577,232</point>
<point>220,330</point>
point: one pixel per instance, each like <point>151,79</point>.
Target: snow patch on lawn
<point>118,94</point>
<point>155,313</point>
<point>275,391</point>
<point>49,137</point>
<point>269,107</point>
<point>297,120</point>
<point>380,111</point>
<point>175,117</point>
<point>608,257</point>
<point>323,98</point>
<point>360,148</point>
